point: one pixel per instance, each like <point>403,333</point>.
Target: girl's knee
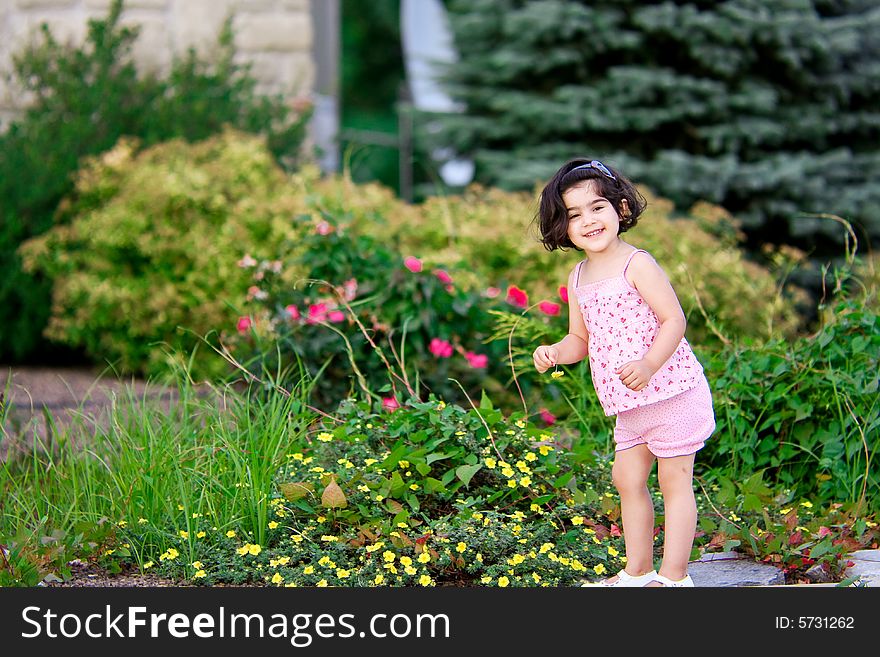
<point>627,480</point>
<point>673,477</point>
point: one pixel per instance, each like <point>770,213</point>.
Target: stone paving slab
<point>866,566</point>
<point>730,569</point>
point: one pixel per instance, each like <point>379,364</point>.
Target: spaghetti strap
<point>577,273</point>
<point>623,273</point>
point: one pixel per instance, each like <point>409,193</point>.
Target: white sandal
<point>624,579</point>
<point>687,582</point>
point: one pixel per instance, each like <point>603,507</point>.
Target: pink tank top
<point>622,328</point>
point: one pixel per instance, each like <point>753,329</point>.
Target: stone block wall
<point>275,36</point>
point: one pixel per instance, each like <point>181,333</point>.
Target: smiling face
<point>593,222</point>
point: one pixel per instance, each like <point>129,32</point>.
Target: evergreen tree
<point>767,107</point>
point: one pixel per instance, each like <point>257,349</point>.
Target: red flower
<point>547,416</point>
<point>443,275</point>
<point>293,311</point>
<point>563,293</point>
<point>517,297</point>
<point>324,228</point>
<point>336,316</point>
<point>477,361</point>
<point>244,323</point>
<point>823,532</point>
<point>413,264</point>
<point>390,404</point>
<point>440,348</point>
<point>549,308</point>
<point>615,530</point>
<point>317,313</point>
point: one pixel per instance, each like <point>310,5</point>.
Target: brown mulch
<point>90,575</point>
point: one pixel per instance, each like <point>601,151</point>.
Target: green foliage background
<point>769,109</point>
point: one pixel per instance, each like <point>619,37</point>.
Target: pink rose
<point>615,531</point>
<point>247,261</point>
<point>349,289</point>
<point>413,264</point>
<point>390,404</point>
<point>324,228</point>
<point>317,313</point>
<point>477,361</point>
<point>547,416</point>
<point>517,297</point>
<point>563,293</point>
<point>336,316</point>
<point>549,308</point>
<point>440,348</point>
<point>244,323</point>
<point>293,311</point>
<point>443,275</point>
<point>492,292</point>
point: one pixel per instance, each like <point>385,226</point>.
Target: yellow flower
<point>149,564</point>
<point>122,523</point>
<point>277,578</point>
<point>375,546</point>
<point>808,505</point>
<point>390,566</point>
<point>341,573</point>
<point>511,483</point>
<point>325,437</point>
<point>577,520</point>
<point>273,525</point>
<point>199,573</point>
<point>322,583</point>
<point>536,577</point>
<point>180,507</point>
<point>296,538</point>
<point>517,559</point>
<point>507,472</point>
<point>503,581</point>
<point>406,561</point>
<point>612,552</point>
<point>329,539</point>
<point>510,432</point>
<point>546,547</point>
<point>599,569</point>
<point>424,557</point>
<point>784,511</point>
<point>364,488</point>
<point>230,534</point>
<point>461,547</point>
<point>479,557</point>
<point>324,561</point>
<point>369,462</point>
<point>557,374</point>
<point>172,553</point>
<point>197,565</point>
<point>477,515</point>
<point>379,579</point>
<point>409,570</point>
<point>142,521</point>
<point>530,457</point>
<point>298,457</point>
<point>545,449</point>
<point>485,579</point>
<point>403,464</point>
<point>184,534</point>
<point>870,524</point>
<point>320,519</point>
<point>425,580</point>
<point>389,556</point>
<point>491,463</point>
<point>201,535</point>
<point>441,405</point>
<point>525,482</point>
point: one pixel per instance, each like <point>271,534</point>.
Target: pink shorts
<point>671,427</point>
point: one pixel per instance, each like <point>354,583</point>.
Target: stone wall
<point>276,36</point>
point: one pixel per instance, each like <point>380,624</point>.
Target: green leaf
<point>438,456</point>
<point>485,402</point>
<point>466,472</point>
<point>423,468</point>
<point>434,485</point>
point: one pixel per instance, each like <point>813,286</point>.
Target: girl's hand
<point>636,374</point>
<point>545,357</point>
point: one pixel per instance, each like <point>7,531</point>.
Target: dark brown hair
<point>552,217</point>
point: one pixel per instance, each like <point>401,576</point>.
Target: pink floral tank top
<point>622,328</point>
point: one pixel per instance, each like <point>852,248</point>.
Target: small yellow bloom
<point>424,557</point>
<point>612,552</point>
<point>149,564</point>
<point>808,505</point>
<point>409,570</point>
<point>525,482</point>
<point>503,581</point>
<point>517,559</point>
<point>441,405</point>
<point>122,523</point>
<point>273,525</point>
<point>389,556</point>
<point>530,457</point>
<point>491,463</point>
<point>557,374</point>
<point>142,521</point>
<point>425,580</point>
<point>325,437</point>
<point>379,579</point>
<point>485,579</point>
<point>511,483</point>
<point>197,565</point>
<point>461,547</point>
<point>341,573</point>
<point>201,535</point>
<point>322,583</point>
<point>199,573</point>
<point>545,449</point>
<point>599,569</point>
<point>184,534</point>
<point>406,561</point>
<point>369,462</point>
<point>329,539</point>
<point>180,507</point>
<point>230,534</point>
<point>277,578</point>
<point>308,570</point>
<point>784,511</point>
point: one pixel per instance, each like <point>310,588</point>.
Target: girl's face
<point>593,223</point>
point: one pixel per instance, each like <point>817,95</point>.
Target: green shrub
<point>84,100</point>
<point>807,411</point>
<point>150,243</point>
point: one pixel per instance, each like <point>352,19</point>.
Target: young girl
<point>624,314</point>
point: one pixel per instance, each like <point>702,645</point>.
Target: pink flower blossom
<point>244,323</point>
<point>492,292</point>
<point>317,313</point>
<point>517,297</point>
<point>413,264</point>
<point>547,416</point>
<point>450,288</point>
<point>324,228</point>
<point>824,531</point>
<point>247,261</point>
<point>349,289</point>
<point>477,361</point>
<point>440,348</point>
<point>615,531</point>
<point>254,292</point>
<point>293,311</point>
<point>563,293</point>
<point>390,404</point>
<point>336,316</point>
<point>443,275</point>
<point>549,308</point>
